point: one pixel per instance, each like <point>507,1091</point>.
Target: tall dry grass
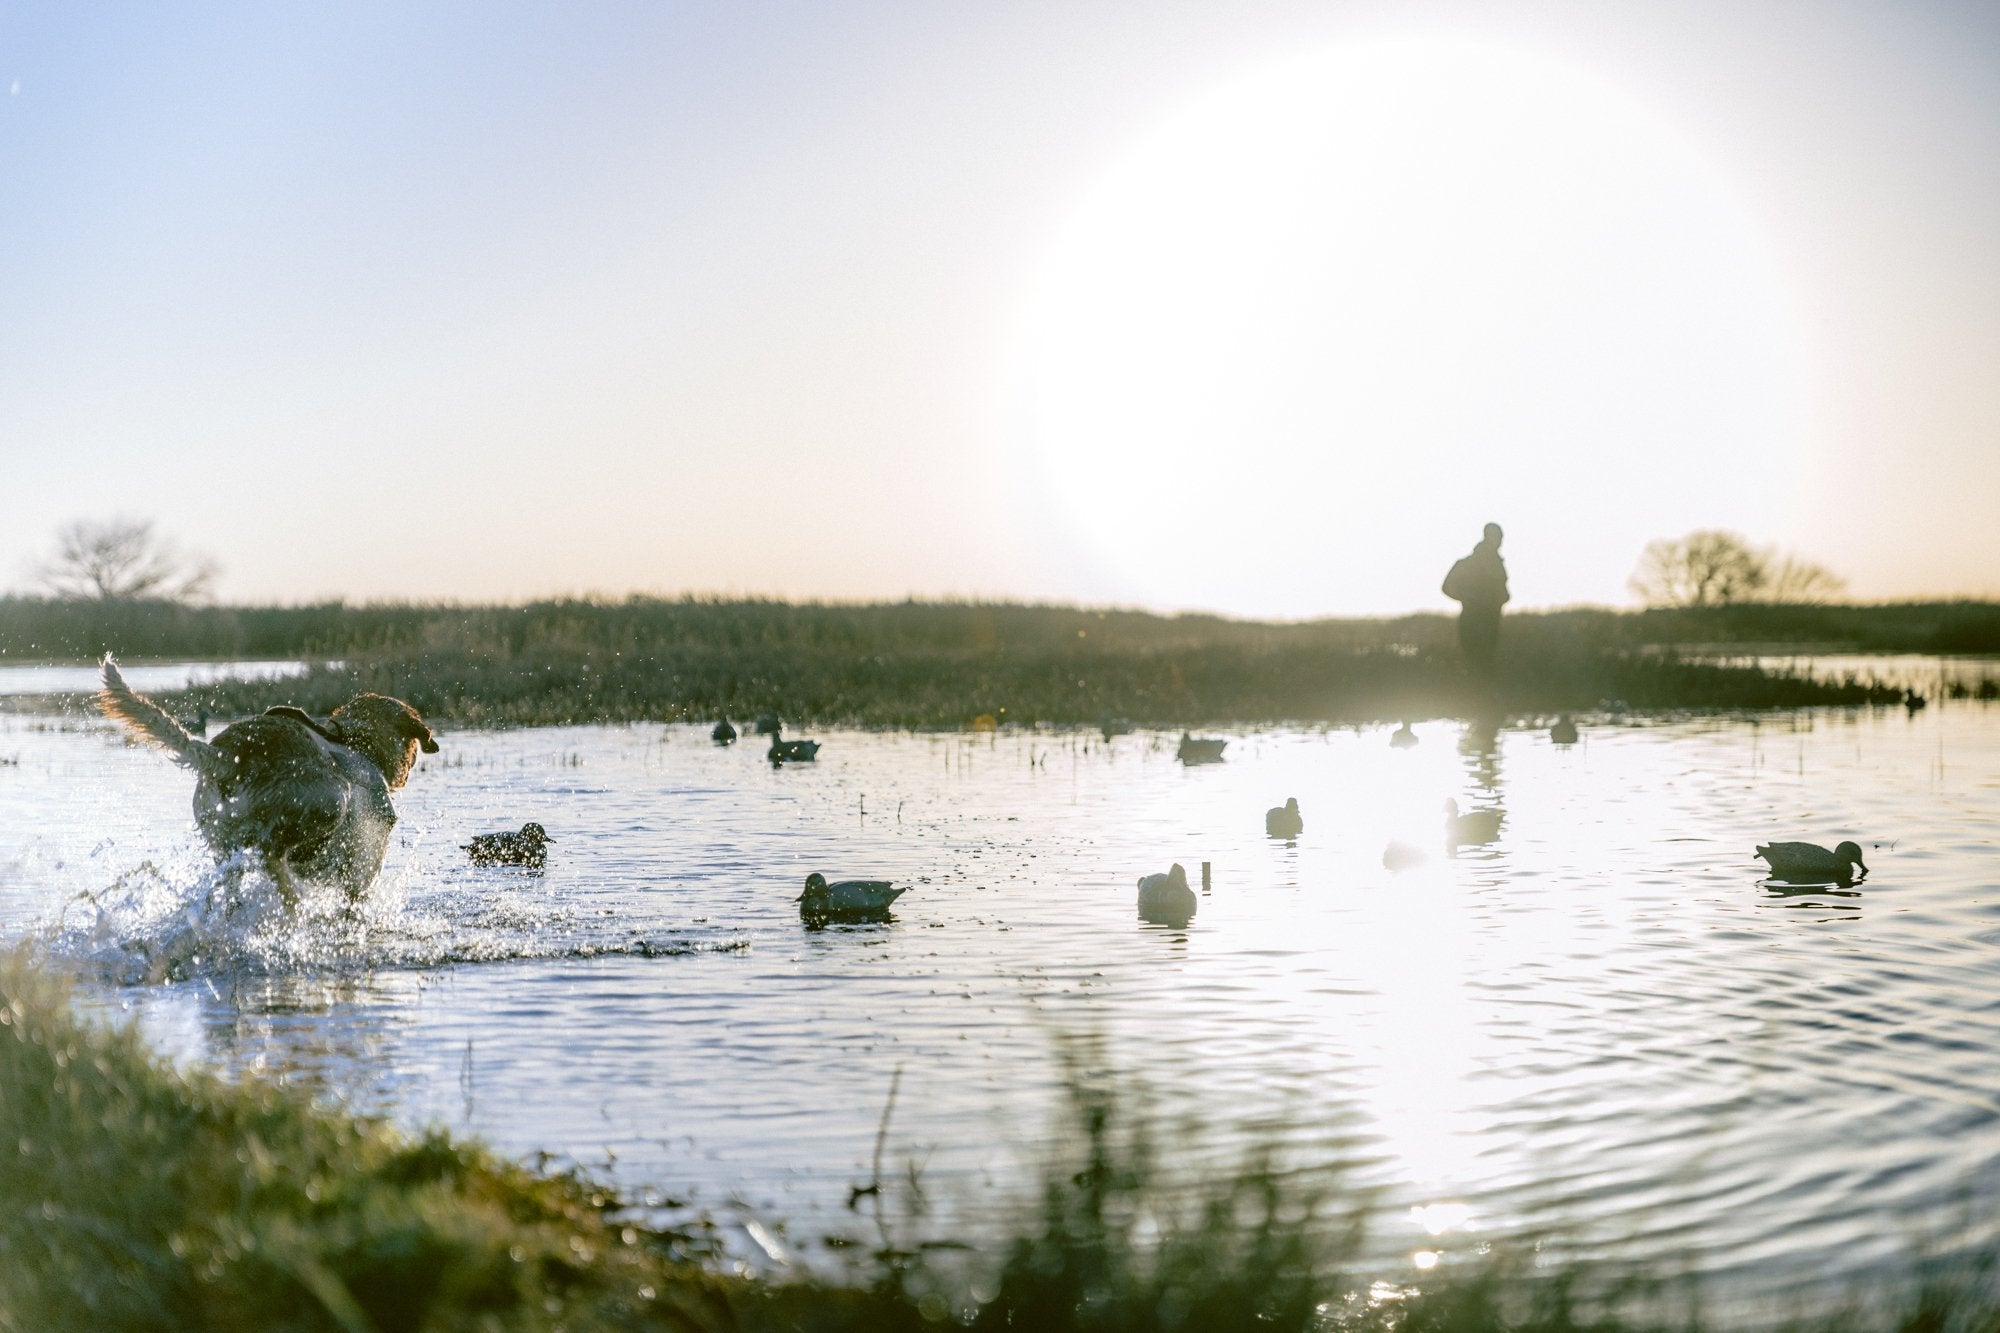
<point>939,665</point>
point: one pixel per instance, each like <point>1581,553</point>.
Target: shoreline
<point>165,1197</point>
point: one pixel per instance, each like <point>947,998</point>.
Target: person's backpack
<point>1463,581</point>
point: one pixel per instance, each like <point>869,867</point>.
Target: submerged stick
<point>857,1193</point>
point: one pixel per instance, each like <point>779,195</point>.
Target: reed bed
<point>47,629</point>
<point>931,665</point>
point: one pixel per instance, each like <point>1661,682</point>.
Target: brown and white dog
<point>311,798</point>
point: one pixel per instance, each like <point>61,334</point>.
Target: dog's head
<point>387,730</point>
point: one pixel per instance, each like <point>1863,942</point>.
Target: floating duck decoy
<point>1564,731</point>
<point>723,734</point>
<point>525,848</point>
<point>1284,821</point>
<point>1809,863</point>
<point>1913,701</point>
<point>1476,826</point>
<point>768,724</point>
<point>1402,738</point>
<point>1166,900</point>
<point>846,899</point>
<point>792,752</point>
<point>1402,856</point>
<point>1200,749</point>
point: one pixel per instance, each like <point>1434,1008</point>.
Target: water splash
<point>182,919</point>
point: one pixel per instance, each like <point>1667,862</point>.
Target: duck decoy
<point>525,848</point>
<point>1476,826</point>
<point>1166,900</point>
<point>1402,738</point>
<point>792,752</point>
<point>1913,701</point>
<point>1284,821</point>
<point>1809,863</point>
<point>1564,731</point>
<point>1402,856</point>
<point>723,734</point>
<point>768,724</point>
<point>1200,749</point>
<point>846,899</point>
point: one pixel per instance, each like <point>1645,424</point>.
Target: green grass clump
<point>1120,1244</point>
<point>134,1195</point>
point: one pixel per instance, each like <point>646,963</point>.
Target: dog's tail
<point>148,721</point>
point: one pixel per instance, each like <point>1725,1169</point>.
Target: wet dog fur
<point>310,797</point>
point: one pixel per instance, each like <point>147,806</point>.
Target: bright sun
<point>1303,341</point>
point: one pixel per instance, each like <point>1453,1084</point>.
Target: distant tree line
<point>1717,568</point>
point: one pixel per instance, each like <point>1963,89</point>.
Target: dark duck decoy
<point>846,899</point>
<point>1809,863</point>
<point>1402,738</point>
<point>1166,900</point>
<point>1284,821</point>
<point>526,848</point>
<point>1564,731</point>
<point>1200,749</point>
<point>767,724</point>
<point>792,752</point>
<point>723,734</point>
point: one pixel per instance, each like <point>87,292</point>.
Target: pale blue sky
<point>495,301</point>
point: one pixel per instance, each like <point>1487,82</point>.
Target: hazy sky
<point>1261,308</point>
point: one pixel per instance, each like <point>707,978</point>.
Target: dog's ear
<point>418,732</point>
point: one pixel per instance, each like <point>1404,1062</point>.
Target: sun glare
<point>1305,339</point>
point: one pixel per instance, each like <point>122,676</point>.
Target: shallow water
<point>1601,1024</point>
<point>156,677</point>
<point>1904,671</point>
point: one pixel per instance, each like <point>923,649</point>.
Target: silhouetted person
<point>1478,583</point>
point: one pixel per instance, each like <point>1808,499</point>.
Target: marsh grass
<point>941,665</point>
<point>134,1195</point>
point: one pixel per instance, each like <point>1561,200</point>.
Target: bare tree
<point>1715,568</point>
<point>122,560</point>
<point>1796,580</point>
<point>1706,568</point>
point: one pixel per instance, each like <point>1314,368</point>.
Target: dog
<point>310,798</point>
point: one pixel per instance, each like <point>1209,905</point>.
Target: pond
<point>1602,1024</point>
